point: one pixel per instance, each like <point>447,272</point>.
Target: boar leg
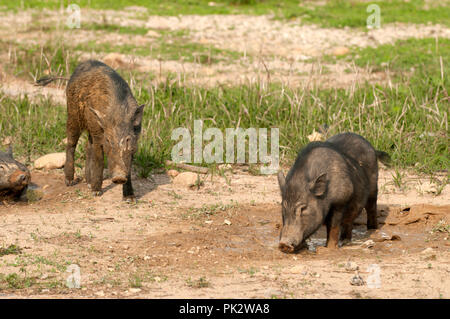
<point>333,223</point>
<point>96,169</point>
<point>127,189</point>
<point>347,222</point>
<point>73,134</point>
<point>89,157</point>
<point>371,209</point>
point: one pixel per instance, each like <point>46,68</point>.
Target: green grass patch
<point>406,120</point>
<point>178,50</point>
<point>114,28</point>
<point>334,13</point>
<point>35,61</point>
<point>10,250</point>
<point>16,281</point>
<point>37,128</point>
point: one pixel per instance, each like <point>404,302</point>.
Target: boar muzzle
<point>119,179</point>
<point>286,248</point>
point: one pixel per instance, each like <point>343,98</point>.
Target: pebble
<point>186,179</point>
<point>51,161</point>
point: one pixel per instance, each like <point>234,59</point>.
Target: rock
<point>7,141</point>
<point>428,250</point>
<point>172,172</point>
<point>357,280</point>
<point>227,222</point>
<point>340,51</point>
<point>316,136</point>
<point>51,161</point>
<point>186,179</point>
<point>351,266</point>
<point>134,290</point>
<point>225,167</point>
<point>297,269</point>
<point>368,244</point>
<point>153,34</point>
<point>114,60</point>
<point>100,293</point>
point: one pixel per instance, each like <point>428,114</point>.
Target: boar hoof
<point>130,199</point>
<point>97,193</point>
<point>72,182</point>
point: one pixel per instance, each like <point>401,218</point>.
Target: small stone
<point>186,179</point>
<point>153,34</point>
<point>316,136</point>
<point>297,269</point>
<point>428,250</point>
<point>114,60</point>
<point>7,141</point>
<point>368,244</point>
<point>134,290</point>
<point>351,266</point>
<point>224,167</point>
<point>146,257</point>
<point>357,280</point>
<point>172,172</point>
<point>100,293</point>
<point>340,51</point>
<point>209,222</point>
<point>51,161</point>
<point>227,222</point>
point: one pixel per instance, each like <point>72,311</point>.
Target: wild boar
<point>14,176</point>
<point>330,183</point>
<point>101,102</point>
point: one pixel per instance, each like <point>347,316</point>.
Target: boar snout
<point>289,244</point>
<point>119,178</point>
<point>286,248</point>
<point>19,178</point>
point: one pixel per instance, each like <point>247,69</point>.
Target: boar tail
<point>48,79</point>
<point>383,157</point>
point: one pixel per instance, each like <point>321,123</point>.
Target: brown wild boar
<point>101,102</point>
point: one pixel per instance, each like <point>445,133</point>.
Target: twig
<point>197,169</point>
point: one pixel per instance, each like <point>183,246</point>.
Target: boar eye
<point>300,209</point>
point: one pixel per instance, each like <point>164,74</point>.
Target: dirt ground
<point>219,241</point>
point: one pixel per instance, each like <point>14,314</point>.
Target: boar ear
<point>319,186</point>
<point>99,116</point>
<point>137,116</point>
<point>281,181</point>
<point>9,152</point>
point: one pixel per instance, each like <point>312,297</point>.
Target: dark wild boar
<point>101,102</point>
<point>330,183</point>
<point>14,177</point>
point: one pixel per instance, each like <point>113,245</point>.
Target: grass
<point>404,113</point>
<point>202,282</point>
<point>16,281</point>
<point>10,250</point>
<point>408,119</point>
<point>38,60</point>
<point>334,13</point>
